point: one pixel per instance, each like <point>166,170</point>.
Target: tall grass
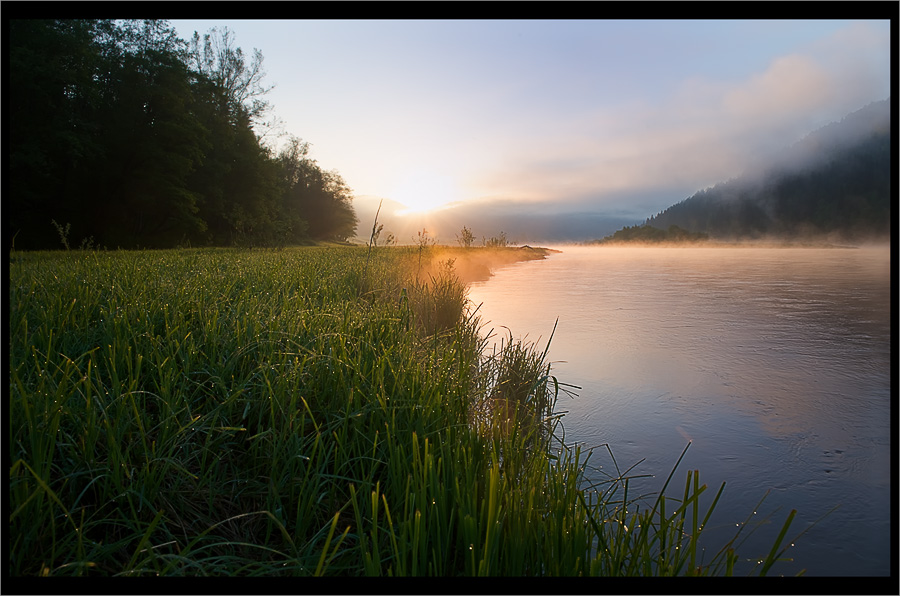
<point>318,411</point>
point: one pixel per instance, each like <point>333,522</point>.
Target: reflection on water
<point>774,362</point>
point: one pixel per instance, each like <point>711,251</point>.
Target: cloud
<point>858,59</point>
<point>791,84</point>
<point>820,83</point>
<point>704,131</point>
<point>604,149</point>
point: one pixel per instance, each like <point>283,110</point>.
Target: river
<point>774,363</point>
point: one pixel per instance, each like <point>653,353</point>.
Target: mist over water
<point>773,362</point>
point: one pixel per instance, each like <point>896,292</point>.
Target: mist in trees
<point>130,136</point>
<point>833,183</point>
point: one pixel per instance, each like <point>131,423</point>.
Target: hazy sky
<point>625,117</point>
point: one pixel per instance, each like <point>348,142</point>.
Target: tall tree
<point>123,132</point>
<point>153,140</point>
<point>240,83</point>
<point>53,106</point>
<point>321,198</point>
<point>238,181</point>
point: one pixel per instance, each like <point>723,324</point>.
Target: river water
<point>774,363</point>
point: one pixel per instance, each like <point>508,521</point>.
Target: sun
<point>424,190</point>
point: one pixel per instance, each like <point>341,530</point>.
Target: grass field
<point>311,411</point>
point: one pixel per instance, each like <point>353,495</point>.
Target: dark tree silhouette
<point>124,133</point>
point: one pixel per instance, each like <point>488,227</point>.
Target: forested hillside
<point>123,135</point>
<point>834,182</point>
<point>649,235</point>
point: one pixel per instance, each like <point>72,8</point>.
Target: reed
<point>315,411</point>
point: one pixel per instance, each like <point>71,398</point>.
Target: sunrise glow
<point>424,190</point>
<point>558,129</point>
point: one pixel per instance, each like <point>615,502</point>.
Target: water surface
<point>773,362</point>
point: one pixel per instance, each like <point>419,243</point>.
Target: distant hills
<point>834,183</point>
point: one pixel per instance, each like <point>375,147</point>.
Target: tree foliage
<point>465,238</point>
<point>223,64</point>
<point>127,134</point>
<point>500,241</point>
<point>646,233</point>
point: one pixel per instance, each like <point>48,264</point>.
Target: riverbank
<point>478,263</point>
<point>312,411</point>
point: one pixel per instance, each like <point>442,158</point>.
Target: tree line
<point>646,233</point>
<point>121,134</point>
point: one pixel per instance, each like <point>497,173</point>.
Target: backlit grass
<point>317,411</point>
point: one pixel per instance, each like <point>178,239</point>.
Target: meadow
<point>307,411</point>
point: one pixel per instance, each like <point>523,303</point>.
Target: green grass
<point>315,411</point>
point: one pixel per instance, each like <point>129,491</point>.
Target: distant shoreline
<point>723,244</point>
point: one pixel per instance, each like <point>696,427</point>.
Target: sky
<point>552,117</point>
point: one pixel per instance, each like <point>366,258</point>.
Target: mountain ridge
<point>835,182</point>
